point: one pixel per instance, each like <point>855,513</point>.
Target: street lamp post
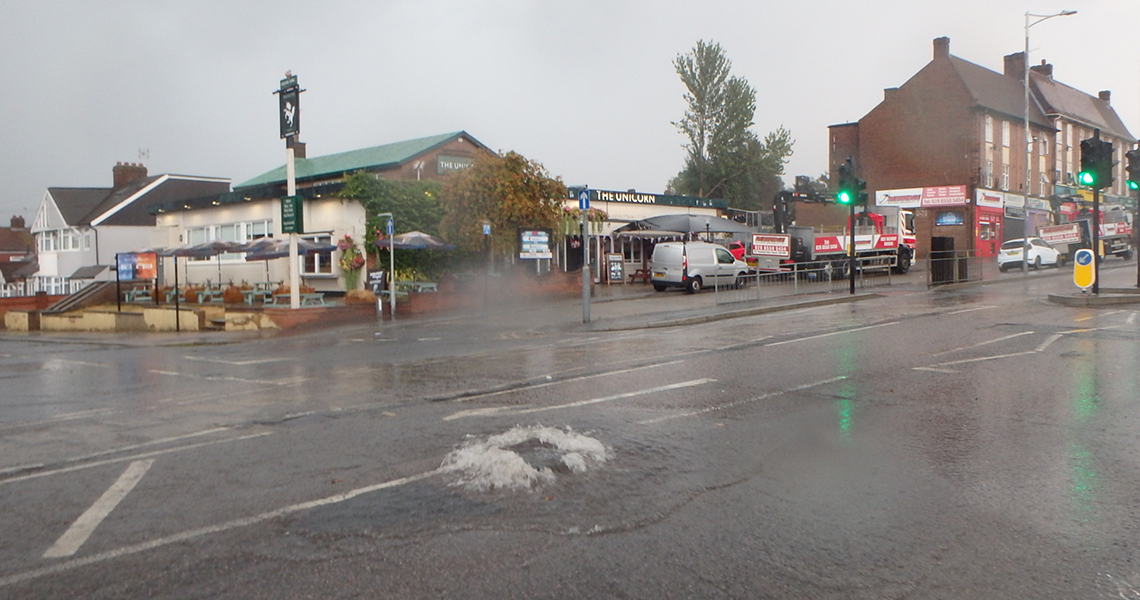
<point>1028,137</point>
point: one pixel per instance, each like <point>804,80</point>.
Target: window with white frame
<point>989,129</point>
<point>229,232</point>
<point>1005,177</point>
<point>1005,133</point>
<point>318,263</point>
<point>989,174</point>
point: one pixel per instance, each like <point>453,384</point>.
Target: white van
<point>693,265</point>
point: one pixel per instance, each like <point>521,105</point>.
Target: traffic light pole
<point>1096,241</point>
<point>851,246</point>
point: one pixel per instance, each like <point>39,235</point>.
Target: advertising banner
<point>766,244</point>
<point>125,265</point>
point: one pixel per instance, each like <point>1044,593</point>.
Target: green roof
<point>388,155</point>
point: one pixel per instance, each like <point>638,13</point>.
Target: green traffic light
<point>1132,185</point>
<point>843,197</point>
<point>1087,178</point>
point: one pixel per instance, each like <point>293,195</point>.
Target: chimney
<point>1105,95</point>
<point>1015,65</point>
<point>941,47</point>
<point>125,173</point>
<point>17,222</point>
<point>888,92</point>
<point>1044,68</point>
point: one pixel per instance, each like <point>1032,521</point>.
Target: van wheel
<point>741,282</point>
<point>1037,263</point>
<point>694,285</point>
<point>659,287</point>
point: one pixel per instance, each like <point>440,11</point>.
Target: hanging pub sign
<point>289,104</point>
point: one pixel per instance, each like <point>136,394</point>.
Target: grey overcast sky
<point>585,87</point>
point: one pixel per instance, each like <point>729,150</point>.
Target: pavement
<point>636,306</point>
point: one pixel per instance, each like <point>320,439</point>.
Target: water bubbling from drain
<point>494,464</point>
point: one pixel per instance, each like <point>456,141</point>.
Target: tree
<point>725,158</point>
<point>507,191</point>
<point>414,205</point>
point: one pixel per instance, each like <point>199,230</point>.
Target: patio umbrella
<point>415,240</point>
<point>208,249</point>
<point>279,248</point>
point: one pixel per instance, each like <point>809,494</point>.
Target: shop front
<point>989,221</point>
<point>944,217</point>
<point>612,210</point>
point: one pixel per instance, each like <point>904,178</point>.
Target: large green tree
<point>415,206</point>
<point>509,192</point>
<point>725,158</point>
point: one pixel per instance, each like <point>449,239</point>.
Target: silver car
<point>1037,252</point>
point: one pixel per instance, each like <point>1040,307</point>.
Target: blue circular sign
<point>1084,257</point>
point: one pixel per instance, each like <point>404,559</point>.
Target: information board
<point>292,215</point>
<point>616,269</point>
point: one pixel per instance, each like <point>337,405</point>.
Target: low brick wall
<point>38,302</point>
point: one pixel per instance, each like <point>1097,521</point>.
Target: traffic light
<point>850,189</point>
<point>1096,163</point>
<point>1133,168</point>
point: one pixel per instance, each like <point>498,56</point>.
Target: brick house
<point>950,144</point>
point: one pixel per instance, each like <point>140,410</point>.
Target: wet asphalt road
<point>970,443</point>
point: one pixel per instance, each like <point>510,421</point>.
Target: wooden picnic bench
<point>642,274</point>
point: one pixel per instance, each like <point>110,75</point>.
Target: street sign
<point>390,227</point>
<point>1084,275</point>
<point>292,215</point>
<point>584,200</point>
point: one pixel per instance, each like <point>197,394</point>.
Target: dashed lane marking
<point>499,410</point>
<point>978,345</point>
<point>823,335</point>
<point>277,382</point>
<point>571,380</point>
<point>237,363</point>
<point>742,402</point>
<point>111,461</point>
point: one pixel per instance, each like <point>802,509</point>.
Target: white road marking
<point>570,380</point>
<point>823,335</point>
<point>1000,339</point>
<point>741,402</point>
<point>239,363</point>
<point>203,531</point>
<point>87,364</point>
<point>1048,342</point>
<point>85,525</point>
<point>966,310</point>
<point>145,444</point>
<point>279,382</point>
<point>480,412</point>
<point>111,461</point>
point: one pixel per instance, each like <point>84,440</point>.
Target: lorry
<point>884,237</point>
<point>1074,230</point>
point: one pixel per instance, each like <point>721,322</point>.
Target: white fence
<point>54,286</point>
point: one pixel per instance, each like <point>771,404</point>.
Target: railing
<point>874,271</point>
<point>54,286</point>
<point>953,266</point>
